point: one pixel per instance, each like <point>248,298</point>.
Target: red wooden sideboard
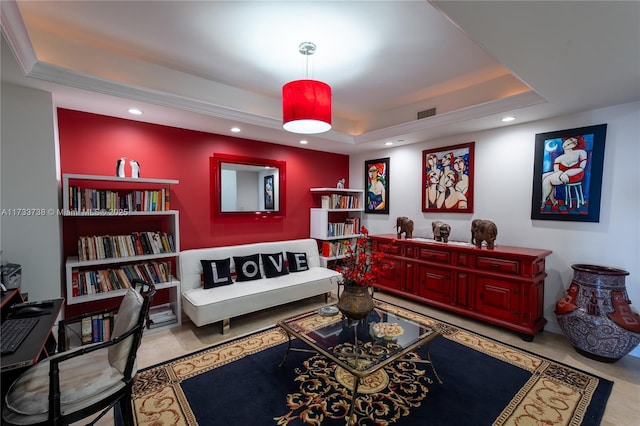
<point>503,286</point>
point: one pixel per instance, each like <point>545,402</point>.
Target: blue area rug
<point>485,382</point>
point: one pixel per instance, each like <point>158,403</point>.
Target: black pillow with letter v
<point>274,265</point>
<point>216,272</point>
<point>247,267</point>
<point>297,262</point>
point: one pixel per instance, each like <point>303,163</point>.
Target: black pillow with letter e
<point>216,272</point>
<point>247,267</point>
<point>274,265</point>
<point>297,262</point>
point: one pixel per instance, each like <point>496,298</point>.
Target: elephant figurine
<point>404,225</point>
<point>483,230</point>
<point>441,231</point>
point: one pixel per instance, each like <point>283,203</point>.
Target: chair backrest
<point>131,317</point>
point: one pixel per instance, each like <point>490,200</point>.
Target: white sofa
<point>206,306</point>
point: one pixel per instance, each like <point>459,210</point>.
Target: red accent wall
<point>91,144</point>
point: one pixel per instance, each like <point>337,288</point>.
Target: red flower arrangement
<point>361,266</point>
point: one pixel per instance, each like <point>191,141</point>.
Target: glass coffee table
<point>359,347</point>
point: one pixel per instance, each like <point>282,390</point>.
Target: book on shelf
<point>325,251</point>
<point>129,245</point>
<point>153,324</point>
<point>85,329</point>
<point>333,248</point>
<point>160,310</point>
<point>352,225</point>
<point>339,201</point>
<point>167,200</point>
<point>161,315</point>
<point>325,201</point>
<point>88,282</point>
<point>86,199</point>
<point>96,328</point>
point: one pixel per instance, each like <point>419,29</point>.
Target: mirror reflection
<point>248,188</point>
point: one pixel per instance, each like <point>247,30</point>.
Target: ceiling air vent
<point>426,113</point>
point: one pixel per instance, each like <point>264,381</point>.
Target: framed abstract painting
<point>567,175</point>
<point>377,180</point>
<point>447,179</point>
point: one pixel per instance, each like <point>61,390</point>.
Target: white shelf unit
<point>322,217</point>
<point>171,217</point>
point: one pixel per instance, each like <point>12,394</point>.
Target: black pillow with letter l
<point>297,262</point>
<point>247,267</point>
<point>216,272</point>
<point>274,265</point>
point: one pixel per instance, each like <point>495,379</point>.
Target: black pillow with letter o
<point>247,267</point>
<point>297,262</point>
<point>216,272</point>
<point>274,265</point>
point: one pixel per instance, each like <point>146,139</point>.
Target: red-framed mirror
<point>247,187</point>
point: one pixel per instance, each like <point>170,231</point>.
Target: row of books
<point>97,328</point>
<point>104,280</point>
<point>85,199</point>
<point>351,226</point>
<point>337,201</point>
<point>134,244</point>
<point>334,248</point>
<point>160,316</point>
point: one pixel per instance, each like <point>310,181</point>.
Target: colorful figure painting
<point>568,174</point>
<point>377,192</point>
<point>447,179</point>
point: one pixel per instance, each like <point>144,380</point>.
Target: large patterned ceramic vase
<point>595,314</point>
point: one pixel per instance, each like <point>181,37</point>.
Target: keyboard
<point>14,331</point>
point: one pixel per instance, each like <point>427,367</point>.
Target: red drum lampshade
<point>306,106</point>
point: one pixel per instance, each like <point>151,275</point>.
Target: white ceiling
<point>211,65</point>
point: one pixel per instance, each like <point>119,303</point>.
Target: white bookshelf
<point>169,219</point>
<point>325,223</point>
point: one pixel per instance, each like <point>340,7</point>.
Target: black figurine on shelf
<point>120,167</point>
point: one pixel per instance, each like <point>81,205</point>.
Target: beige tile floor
<point>623,407</point>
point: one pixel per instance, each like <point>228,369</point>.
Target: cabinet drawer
<point>498,265</point>
<point>434,255</point>
<point>388,248</point>
<point>435,284</point>
<point>498,299</point>
<point>390,274</point>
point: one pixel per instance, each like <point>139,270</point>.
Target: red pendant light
<point>306,104</point>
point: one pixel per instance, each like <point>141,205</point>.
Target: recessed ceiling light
<point>388,143</point>
<point>135,111</point>
<point>508,118</point>
<point>235,129</point>
<point>303,142</point>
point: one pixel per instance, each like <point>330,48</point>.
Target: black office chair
<point>76,384</point>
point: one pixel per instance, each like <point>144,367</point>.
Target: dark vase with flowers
<point>355,302</point>
<point>359,269</point>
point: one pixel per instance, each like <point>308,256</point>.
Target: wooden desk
<point>39,343</point>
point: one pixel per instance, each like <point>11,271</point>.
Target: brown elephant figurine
<point>404,225</point>
<point>441,231</point>
<point>483,230</point>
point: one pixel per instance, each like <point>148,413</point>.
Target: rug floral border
<point>158,397</point>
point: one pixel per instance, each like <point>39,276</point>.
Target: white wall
<point>503,186</point>
<point>30,180</point>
